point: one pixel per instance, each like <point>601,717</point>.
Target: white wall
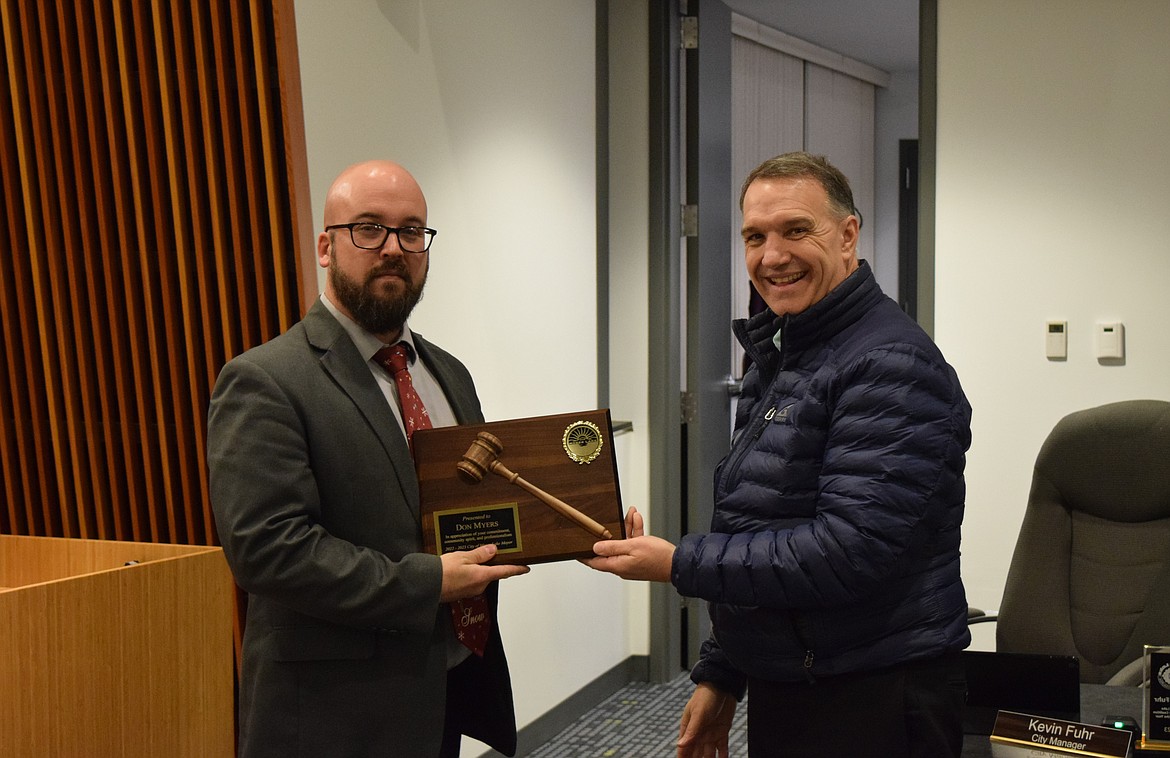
<point>491,106</point>
<point>1052,198</point>
<point>629,256</point>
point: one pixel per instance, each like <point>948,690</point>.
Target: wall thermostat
<point>1056,340</point>
<point>1111,340</point>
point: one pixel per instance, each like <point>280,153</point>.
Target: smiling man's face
<point>795,248</point>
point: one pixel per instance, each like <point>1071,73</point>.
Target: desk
<point>1097,702</point>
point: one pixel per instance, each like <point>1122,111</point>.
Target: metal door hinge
<point>690,221</point>
<point>688,406</point>
<point>690,32</point>
<point>733,385</point>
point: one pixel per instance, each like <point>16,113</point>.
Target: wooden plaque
<point>568,456</point>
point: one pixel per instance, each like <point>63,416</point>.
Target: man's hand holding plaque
<point>465,574</point>
<point>639,556</point>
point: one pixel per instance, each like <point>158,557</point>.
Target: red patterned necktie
<point>470,615</point>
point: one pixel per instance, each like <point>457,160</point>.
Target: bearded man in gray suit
<point>349,647</point>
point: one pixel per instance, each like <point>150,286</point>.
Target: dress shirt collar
<point>366,343</point>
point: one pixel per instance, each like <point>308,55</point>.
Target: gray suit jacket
<point>317,507</point>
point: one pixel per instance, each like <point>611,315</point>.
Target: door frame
<point>690,298</point>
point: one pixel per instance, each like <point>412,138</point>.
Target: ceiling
<point>882,33</point>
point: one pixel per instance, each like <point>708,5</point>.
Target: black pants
<point>452,734</point>
<point>452,740</point>
<point>913,710</point>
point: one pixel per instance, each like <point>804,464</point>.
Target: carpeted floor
<point>638,721</point>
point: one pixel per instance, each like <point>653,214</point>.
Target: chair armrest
<point>1133,674</point>
<point>978,616</point>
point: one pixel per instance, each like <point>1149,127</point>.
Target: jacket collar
<point>844,305</point>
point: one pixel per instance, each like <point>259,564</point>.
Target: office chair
<point>1090,575</point>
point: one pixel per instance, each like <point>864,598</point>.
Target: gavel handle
<point>557,505</point>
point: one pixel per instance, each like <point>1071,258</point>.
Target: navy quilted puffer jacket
<point>834,545</point>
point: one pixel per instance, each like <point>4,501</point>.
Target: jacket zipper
<point>798,628</point>
<point>746,445</point>
<point>808,664</point>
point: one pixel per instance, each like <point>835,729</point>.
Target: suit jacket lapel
<point>459,394</point>
<point>341,360</point>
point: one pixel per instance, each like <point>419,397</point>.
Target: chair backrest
<point>1090,575</point>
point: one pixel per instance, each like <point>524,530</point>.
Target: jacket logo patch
<point>784,415</point>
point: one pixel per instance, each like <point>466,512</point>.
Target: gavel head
<point>479,457</point>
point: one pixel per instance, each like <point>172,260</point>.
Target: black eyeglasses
<point>370,236</point>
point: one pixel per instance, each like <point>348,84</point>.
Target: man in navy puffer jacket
<point>832,564</point>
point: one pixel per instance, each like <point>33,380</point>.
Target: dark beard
<point>374,313</point>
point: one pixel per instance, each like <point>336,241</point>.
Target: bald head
<point>377,287</point>
<point>370,183</point>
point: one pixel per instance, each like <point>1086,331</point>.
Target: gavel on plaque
<point>483,456</point>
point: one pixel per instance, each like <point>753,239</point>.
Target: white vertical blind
<point>839,123</point>
<point>767,118</point>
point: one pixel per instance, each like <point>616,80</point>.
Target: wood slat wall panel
<point>144,119</point>
<point>252,277</point>
<point>269,112</point>
<point>28,389</point>
<point>206,124</point>
<point>155,225</point>
<point>114,360</point>
<point>15,430</point>
<point>83,270</point>
<point>210,239</point>
<point>52,289</point>
<point>166,263</point>
<point>235,229</point>
<point>77,303</point>
<point>124,114</point>
<point>296,178</point>
<point>33,127</point>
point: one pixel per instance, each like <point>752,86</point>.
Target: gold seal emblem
<point>582,441</point>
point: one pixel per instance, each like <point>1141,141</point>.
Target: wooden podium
<point>114,649</point>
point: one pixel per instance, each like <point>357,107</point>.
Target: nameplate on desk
<point>1018,735</point>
